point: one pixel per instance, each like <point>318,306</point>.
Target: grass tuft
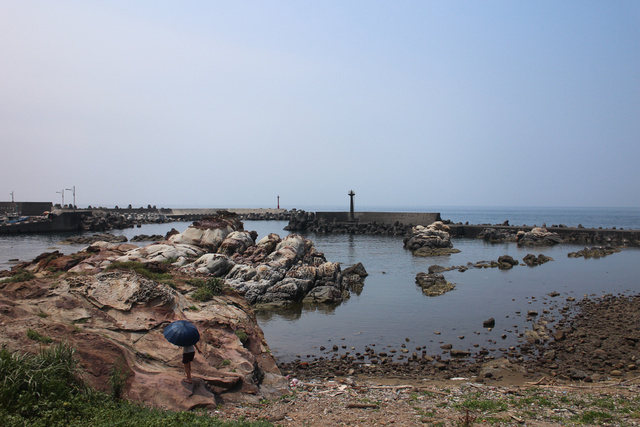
<point>34,335</point>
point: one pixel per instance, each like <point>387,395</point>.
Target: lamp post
<point>61,192</point>
<point>13,204</point>
<point>74,195</point>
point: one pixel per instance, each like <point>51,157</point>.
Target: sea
<point>391,313</point>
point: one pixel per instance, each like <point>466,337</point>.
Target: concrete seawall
<point>576,234</point>
<point>195,214</point>
<point>403,218</point>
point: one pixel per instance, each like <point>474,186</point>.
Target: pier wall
<point>25,208</point>
<point>576,234</point>
<point>404,218</point>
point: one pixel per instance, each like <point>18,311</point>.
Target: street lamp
<point>74,195</point>
<point>61,192</point>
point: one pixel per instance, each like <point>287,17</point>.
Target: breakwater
<point>401,224</point>
<point>591,236</point>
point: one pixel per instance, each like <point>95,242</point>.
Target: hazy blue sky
<point>232,103</point>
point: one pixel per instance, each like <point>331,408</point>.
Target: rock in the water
<point>531,260</point>
<point>594,252</point>
<point>506,262</point>
<point>538,236</point>
<point>489,323</point>
<point>431,240</point>
<point>433,284</point>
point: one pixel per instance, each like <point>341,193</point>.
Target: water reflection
<point>294,312</point>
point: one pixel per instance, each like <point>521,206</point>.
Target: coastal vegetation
<point>206,289</point>
<point>46,389</point>
<point>145,270</point>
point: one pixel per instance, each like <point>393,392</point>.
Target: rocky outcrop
<point>116,318</point>
<point>272,272</point>
<point>353,278</point>
<point>538,236</point>
<point>433,284</point>
<point>162,252</point>
<point>209,233</point>
<point>284,272</point>
<point>594,252</point>
<point>531,260</point>
<point>432,240</point>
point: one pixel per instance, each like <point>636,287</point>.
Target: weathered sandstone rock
<point>117,317</point>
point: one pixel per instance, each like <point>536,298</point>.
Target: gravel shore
<point>585,374</point>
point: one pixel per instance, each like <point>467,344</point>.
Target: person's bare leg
<point>187,370</point>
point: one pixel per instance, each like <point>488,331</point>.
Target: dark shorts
<point>188,357</point>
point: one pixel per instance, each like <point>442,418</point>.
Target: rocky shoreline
<point>583,373</point>
<point>595,340</point>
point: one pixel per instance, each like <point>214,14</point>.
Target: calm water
<point>391,306</point>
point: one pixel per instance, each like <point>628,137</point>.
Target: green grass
<point>20,276</point>
<point>206,289</point>
<point>34,335</point>
<point>593,417</point>
<point>242,335</point>
<point>46,390</point>
<point>474,403</point>
<point>141,269</point>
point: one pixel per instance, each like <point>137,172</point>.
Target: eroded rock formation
<point>116,318</point>
<point>432,240</point>
<point>113,315</point>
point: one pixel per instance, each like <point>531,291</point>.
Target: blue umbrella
<point>182,333</point>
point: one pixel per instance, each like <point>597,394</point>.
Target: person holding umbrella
<point>184,334</point>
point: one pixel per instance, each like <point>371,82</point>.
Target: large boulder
<point>236,242</point>
<point>209,233</point>
<point>216,265</point>
<point>431,240</point>
<point>162,252</point>
<point>538,236</point>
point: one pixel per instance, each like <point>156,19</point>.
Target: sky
<point>234,103</point>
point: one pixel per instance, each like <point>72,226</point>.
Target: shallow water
<point>391,306</point>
